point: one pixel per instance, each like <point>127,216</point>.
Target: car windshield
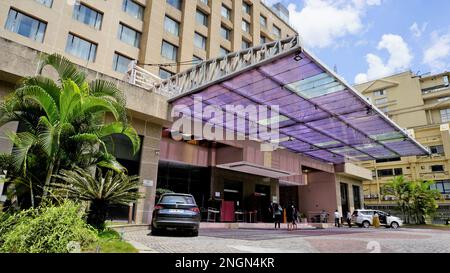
<point>177,199</point>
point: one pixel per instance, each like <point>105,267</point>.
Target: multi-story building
<point>420,104</point>
<point>167,37</point>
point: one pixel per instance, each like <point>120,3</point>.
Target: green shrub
<point>48,229</point>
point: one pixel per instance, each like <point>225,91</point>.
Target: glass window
<point>120,63</point>
<point>263,39</point>
<point>438,149</point>
<point>443,186</point>
<point>202,18</point>
<point>445,115</point>
<point>245,44</point>
<point>398,171</point>
<point>225,33</point>
<point>196,60</point>
<point>445,80</point>
<point>263,20</point>
<point>226,12</point>
<point>87,16</point>
<point>171,26</point>
<point>437,168</point>
<point>164,74</point>
<point>48,3</point>
<point>206,2</point>
<point>276,31</point>
<point>175,3</point>
<point>81,48</point>
<point>223,51</point>
<point>134,9</point>
<point>379,93</point>
<point>245,26</point>
<point>129,35</point>
<point>246,8</point>
<point>25,25</point>
<point>199,41</point>
<point>169,51</point>
<point>386,172</point>
<point>381,101</point>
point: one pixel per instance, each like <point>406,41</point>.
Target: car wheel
<point>395,225</point>
<point>366,224</point>
<point>194,233</point>
<point>156,231</point>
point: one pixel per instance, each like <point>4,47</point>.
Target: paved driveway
<point>333,240</point>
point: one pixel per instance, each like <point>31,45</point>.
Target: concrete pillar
<point>148,171</point>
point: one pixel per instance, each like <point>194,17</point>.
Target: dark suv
<point>176,211</point>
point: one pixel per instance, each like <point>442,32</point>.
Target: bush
<point>48,229</point>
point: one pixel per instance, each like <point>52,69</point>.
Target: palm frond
<point>43,99</point>
<point>119,128</point>
<point>65,68</point>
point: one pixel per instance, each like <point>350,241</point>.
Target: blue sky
<point>368,39</point>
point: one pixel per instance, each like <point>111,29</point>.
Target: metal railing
<point>211,71</point>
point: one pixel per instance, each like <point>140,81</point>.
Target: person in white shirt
<point>349,219</point>
<point>337,219</point>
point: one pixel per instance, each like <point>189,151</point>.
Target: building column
<point>148,172</point>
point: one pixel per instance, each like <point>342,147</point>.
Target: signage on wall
<point>148,183</point>
<point>217,194</point>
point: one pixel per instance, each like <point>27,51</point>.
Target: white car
<point>364,218</point>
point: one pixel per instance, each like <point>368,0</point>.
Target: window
<point>134,9</point>
<point>438,149</point>
<point>129,35</point>
<point>443,99</point>
<point>246,8</point>
<point>81,48</point>
<point>169,51</point>
<point>388,160</point>
<point>48,3</point>
<point>379,93</point>
<point>206,2</point>
<point>263,39</point>
<point>245,26</point>
<point>437,168</point>
<point>386,172</point>
<point>120,63</point>
<point>196,60</point>
<point>199,41</point>
<point>171,26</point>
<point>445,80</point>
<point>381,101</point>
<point>25,25</point>
<point>445,115</point>
<point>443,186</point>
<point>226,12</point>
<point>225,33</point>
<point>276,31</point>
<point>202,18</point>
<point>223,51</point>
<point>398,171</point>
<point>87,16</point>
<point>175,3</point>
<point>384,109</point>
<point>164,74</point>
<point>245,44</point>
<point>263,20</point>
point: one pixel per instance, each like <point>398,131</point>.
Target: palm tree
<point>100,191</point>
<point>400,188</point>
<point>63,121</point>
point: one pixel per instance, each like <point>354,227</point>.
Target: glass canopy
<point>319,114</point>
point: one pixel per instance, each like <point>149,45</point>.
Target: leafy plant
<point>100,191</point>
<point>47,229</point>
<point>63,124</point>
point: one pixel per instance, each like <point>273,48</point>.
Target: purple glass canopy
<point>320,115</point>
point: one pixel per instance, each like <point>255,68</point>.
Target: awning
<point>321,116</point>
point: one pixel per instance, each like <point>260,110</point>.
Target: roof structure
<point>320,115</point>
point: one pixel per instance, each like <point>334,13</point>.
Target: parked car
<point>175,211</point>
<point>364,218</point>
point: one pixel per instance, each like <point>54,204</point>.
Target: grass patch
<point>109,241</point>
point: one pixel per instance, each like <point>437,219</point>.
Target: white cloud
<point>400,58</point>
<point>438,54</point>
<point>321,22</point>
<point>417,30</point>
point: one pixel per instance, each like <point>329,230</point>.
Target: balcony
<point>435,89</point>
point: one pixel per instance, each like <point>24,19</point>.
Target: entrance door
<point>262,204</point>
<point>356,197</point>
<point>344,199</point>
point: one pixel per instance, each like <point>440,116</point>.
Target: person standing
<point>349,219</point>
<point>277,211</point>
<point>289,216</point>
<point>337,216</point>
<point>295,217</point>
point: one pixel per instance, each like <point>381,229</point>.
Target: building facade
<point>166,37</point>
<point>420,104</point>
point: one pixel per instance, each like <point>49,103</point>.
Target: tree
<point>415,199</point>
<point>63,123</point>
<point>100,191</point>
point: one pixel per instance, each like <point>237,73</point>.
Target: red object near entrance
<point>227,211</point>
